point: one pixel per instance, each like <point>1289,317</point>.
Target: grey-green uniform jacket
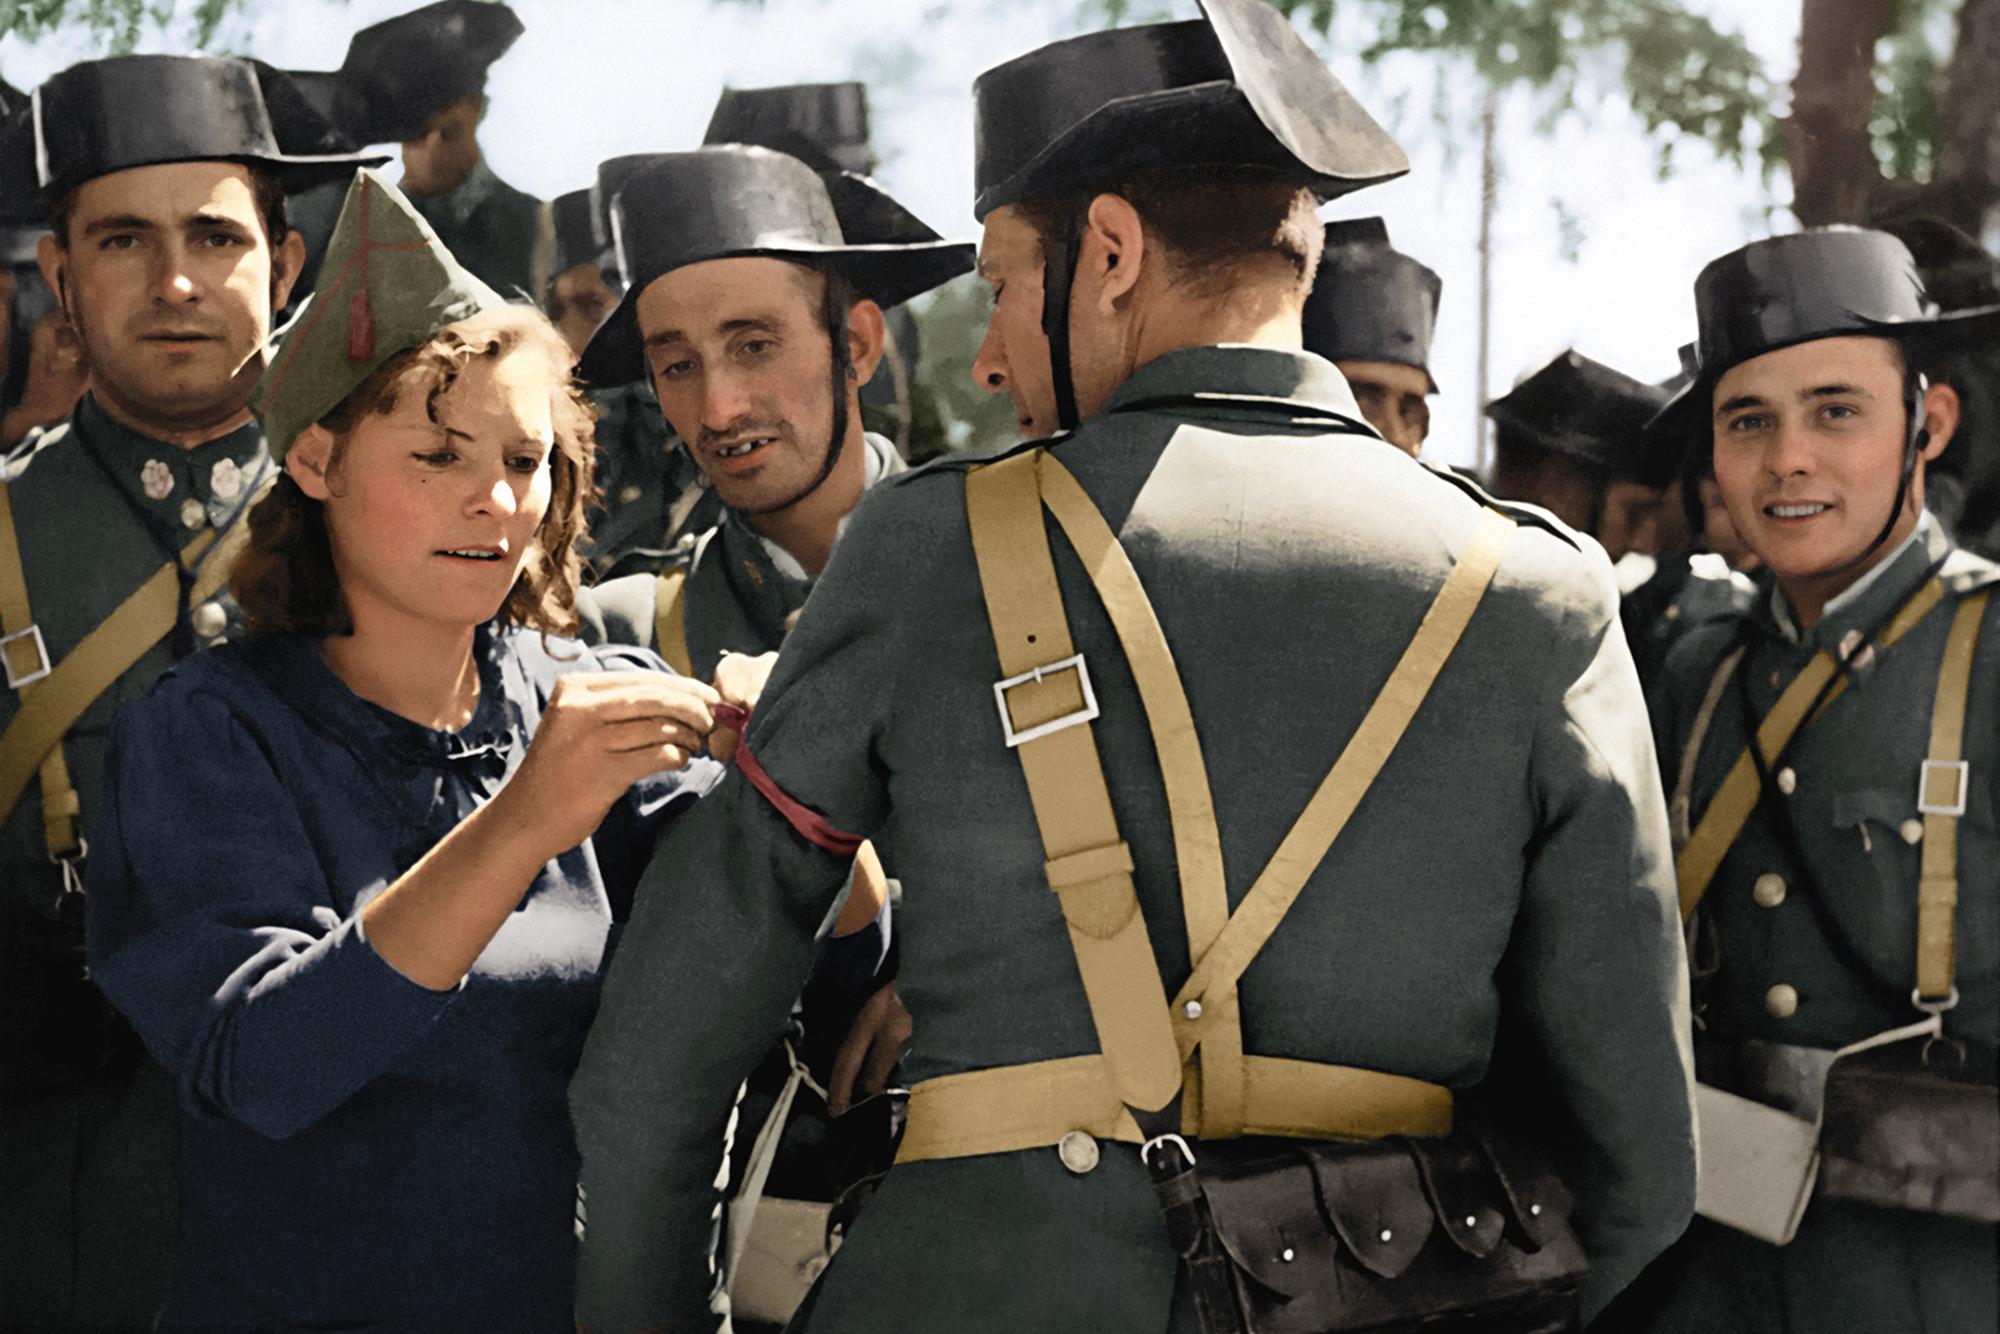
<point>1825,954</point>
<point>87,1188</point>
<point>1509,873</point>
<point>736,597</point>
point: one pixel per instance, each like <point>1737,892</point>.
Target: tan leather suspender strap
<point>670,638</point>
<point>1340,793</point>
<point>1045,706</point>
<point>1700,858</point>
<point>1214,1092</point>
<point>1943,784</point>
<point>51,706</point>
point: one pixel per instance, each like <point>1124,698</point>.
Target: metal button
<point>1472,1220</point>
<point>1912,831</point>
<point>208,620</point>
<point>1777,680</point>
<point>1387,1234</point>
<point>194,514</point>
<point>629,493</point>
<point>1673,612</point>
<point>1782,1001</point>
<point>1534,1211</point>
<point>1288,1255</point>
<point>1769,891</point>
<point>1192,1009</point>
<point>1788,780</point>
<point>1078,1152</point>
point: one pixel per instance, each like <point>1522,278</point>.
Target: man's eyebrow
<point>1836,391</point>
<point>217,220</point>
<point>1740,401</point>
<point>665,336</point>
<point>118,222</point>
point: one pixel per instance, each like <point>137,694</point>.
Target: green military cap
<point>387,285</point>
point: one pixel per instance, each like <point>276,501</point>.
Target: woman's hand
<point>739,680</point>
<point>601,733</point>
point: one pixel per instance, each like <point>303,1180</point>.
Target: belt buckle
<point>1962,772</point>
<point>1083,715</point>
<point>31,635</point>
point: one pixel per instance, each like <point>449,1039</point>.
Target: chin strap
<point>1059,256</point>
<point>843,370</point>
<point>1914,441</point>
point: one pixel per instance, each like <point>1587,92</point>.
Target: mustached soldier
<point>1080,742</point>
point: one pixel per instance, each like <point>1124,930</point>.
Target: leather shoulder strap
<point>1046,703</point>
<point>670,638</point>
<point>1943,785</point>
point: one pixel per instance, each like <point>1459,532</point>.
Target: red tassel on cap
<point>361,315</point>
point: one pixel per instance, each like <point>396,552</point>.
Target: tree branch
<point>1834,173</point>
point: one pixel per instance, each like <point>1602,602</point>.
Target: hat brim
<point>887,275</point>
<point>294,173</point>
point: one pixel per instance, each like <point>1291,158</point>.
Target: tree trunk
<point>1834,172</point>
<point>1965,182</point>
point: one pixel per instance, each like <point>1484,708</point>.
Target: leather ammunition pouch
<point>1433,1234</point>
<point>1905,1135</point>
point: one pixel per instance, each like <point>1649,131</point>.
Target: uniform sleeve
<point>720,943</point>
<point>212,928</point>
<point>1597,972</point>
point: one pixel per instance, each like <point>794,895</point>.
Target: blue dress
<point>358,1151</point>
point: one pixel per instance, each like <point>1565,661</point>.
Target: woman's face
<point>434,520</point>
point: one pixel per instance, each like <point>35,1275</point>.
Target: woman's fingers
<point>636,734</point>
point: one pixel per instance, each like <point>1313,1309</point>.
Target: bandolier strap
<point>1227,1092</point>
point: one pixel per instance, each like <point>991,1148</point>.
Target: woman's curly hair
<point>285,579</point>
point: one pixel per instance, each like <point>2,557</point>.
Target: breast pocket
<point>1886,827</point>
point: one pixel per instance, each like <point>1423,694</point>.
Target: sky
<point>1593,250</point>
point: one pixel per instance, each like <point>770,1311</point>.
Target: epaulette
<point>33,443</point>
<point>965,460</point>
<point>1532,515</point>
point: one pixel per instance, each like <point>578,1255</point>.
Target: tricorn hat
<point>824,125</point>
<point>1587,410</point>
<point>387,285</point>
<point>1824,283</point>
<point>1236,88</point>
<point>402,71</point>
<point>108,115</point>
<point>1371,302</point>
<point>576,232</point>
<point>736,200</point>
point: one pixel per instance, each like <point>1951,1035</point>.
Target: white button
<point>1534,1211</point>
<point>629,493</point>
<point>193,513</point>
<point>1078,1152</point>
<point>1472,1220</point>
<point>1788,781</point>
<point>1913,831</point>
<point>208,620</point>
<point>1769,891</point>
<point>1192,1009</point>
<point>1387,1234</point>
<point>1782,1001</point>
<point>1288,1255</point>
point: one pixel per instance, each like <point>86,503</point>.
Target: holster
<point>1462,1232</point>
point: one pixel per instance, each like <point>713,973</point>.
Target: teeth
<point>475,555</point>
<point>1796,511</point>
<point>737,451</point>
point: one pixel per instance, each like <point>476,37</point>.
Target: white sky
<point>594,78</point>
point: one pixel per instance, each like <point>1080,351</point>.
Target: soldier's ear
<point>1942,409</point>
<point>52,258</point>
<point>309,460</point>
<point>1119,253</point>
<point>288,260</point>
<point>866,334</point>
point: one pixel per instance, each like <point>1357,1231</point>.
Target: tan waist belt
<point>1034,1106</point>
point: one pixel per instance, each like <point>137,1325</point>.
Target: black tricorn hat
<point>1583,408</point>
<point>1371,302</point>
<point>305,108</point>
<point>108,115</point>
<point>612,173</point>
<point>824,125</point>
<point>1824,283</point>
<point>737,200</point>
<point>402,71</point>
<point>576,232</point>
<point>1236,88</point>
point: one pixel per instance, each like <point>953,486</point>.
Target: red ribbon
<point>806,822</point>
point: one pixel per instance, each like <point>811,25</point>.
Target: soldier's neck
<point>1254,314</point>
<point>807,530</point>
<point>197,428</point>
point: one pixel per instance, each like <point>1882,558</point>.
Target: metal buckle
<point>33,634</point>
<point>1936,1006</point>
<point>1165,1141</point>
<point>1082,715</point>
<point>1962,768</point>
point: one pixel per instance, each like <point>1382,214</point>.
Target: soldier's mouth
<point>1796,510</point>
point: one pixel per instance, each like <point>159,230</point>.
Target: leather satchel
<point>1460,1232</point>
<point>1905,1135</point>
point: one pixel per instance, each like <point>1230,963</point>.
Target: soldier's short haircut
<point>1211,222</point>
<point>265,189</point>
<point>286,581</point>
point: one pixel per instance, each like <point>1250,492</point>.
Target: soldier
<point>41,364</point>
<point>1149,201</point>
<point>1372,312</point>
<point>1570,438</point>
<point>419,79</point>
<point>168,252</point>
<point>1843,875</point>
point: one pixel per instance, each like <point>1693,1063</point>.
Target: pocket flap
<point>1887,807</point>
<point>1269,1222</point>
<point>1463,1191</point>
<point>1538,1204</point>
<point>1374,1200</point>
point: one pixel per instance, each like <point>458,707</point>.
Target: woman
<point>357,874</point>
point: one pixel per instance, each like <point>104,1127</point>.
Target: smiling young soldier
<point>1843,874</point>
<point>1149,199</point>
<point>168,252</point>
<point>1371,313</point>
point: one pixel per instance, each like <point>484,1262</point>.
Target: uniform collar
<point>883,461</point>
<point>1230,375</point>
<point>1866,603</point>
<point>183,489</point>
<point>453,210</point>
